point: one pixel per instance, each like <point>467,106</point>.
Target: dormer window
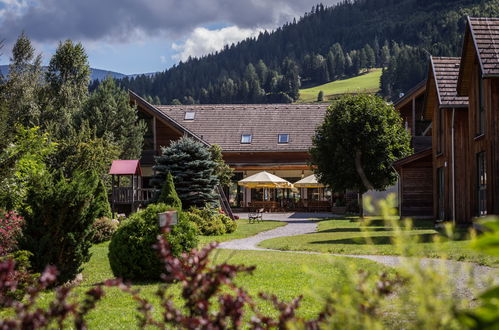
<point>189,115</point>
<point>283,138</point>
<point>246,138</point>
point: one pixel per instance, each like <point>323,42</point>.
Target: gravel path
<point>301,224</point>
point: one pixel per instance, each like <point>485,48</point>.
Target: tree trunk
<point>360,198</point>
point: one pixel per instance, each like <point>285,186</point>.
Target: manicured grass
<point>365,83</point>
<point>350,236</point>
<point>244,229</point>
<point>287,275</point>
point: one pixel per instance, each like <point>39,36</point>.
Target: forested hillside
<point>326,44</point>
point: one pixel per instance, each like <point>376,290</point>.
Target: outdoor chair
<point>256,216</point>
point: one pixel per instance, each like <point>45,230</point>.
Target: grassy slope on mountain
<point>365,83</point>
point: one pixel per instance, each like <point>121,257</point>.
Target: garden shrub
<point>168,194</point>
<point>103,229</point>
<point>131,252</point>
<point>207,224</point>
<point>58,228</point>
<point>230,225</point>
<point>210,222</point>
<point>11,225</point>
<point>101,202</point>
<point>21,274</point>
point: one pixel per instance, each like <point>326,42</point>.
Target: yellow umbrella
<point>264,180</point>
<point>309,182</point>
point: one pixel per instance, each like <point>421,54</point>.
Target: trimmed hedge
<point>131,253</point>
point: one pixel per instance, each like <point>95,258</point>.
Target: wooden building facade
<point>448,113</point>
<point>479,80</point>
<point>416,171</point>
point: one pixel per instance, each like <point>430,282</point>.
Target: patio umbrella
<point>264,180</point>
<point>309,182</point>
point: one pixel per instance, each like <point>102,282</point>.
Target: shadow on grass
<point>354,230</point>
<point>377,240</point>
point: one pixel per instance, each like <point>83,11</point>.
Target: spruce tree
<point>168,194</point>
<point>193,171</point>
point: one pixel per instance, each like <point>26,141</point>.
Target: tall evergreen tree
<point>110,115</point>
<point>23,87</point>
<point>193,171</point>
<point>68,78</point>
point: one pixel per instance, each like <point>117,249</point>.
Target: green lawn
<point>365,83</point>
<point>287,275</point>
<point>348,236</point>
<point>244,229</point>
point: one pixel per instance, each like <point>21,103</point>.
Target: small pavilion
<point>127,192</point>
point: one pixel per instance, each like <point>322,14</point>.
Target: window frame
<point>440,131</point>
<point>441,193</point>
<point>246,135</point>
<point>481,183</point>
<point>186,117</point>
<point>279,138</point>
<point>480,103</point>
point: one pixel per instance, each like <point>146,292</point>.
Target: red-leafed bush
<point>11,225</point>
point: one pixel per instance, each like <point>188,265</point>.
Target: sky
<point>141,36</point>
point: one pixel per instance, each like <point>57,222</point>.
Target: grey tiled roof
<point>446,73</point>
<point>485,33</point>
<point>224,124</point>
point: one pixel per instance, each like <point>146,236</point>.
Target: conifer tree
<point>24,83</point>
<point>110,115</point>
<point>168,194</point>
<point>193,171</point>
<point>320,96</point>
<point>59,222</point>
<point>68,78</point>
<point>101,202</point>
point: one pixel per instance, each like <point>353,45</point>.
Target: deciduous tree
<point>355,147</point>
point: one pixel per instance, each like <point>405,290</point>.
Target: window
<point>283,138</point>
<point>481,183</point>
<point>480,106</point>
<point>440,135</point>
<point>441,193</point>
<point>189,115</point>
<point>246,138</point>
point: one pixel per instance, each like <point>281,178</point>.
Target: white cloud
<point>202,41</point>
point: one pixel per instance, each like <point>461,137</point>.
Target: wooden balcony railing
<point>127,195</point>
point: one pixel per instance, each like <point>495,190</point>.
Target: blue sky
<point>139,36</point>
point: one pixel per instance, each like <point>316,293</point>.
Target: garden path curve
<point>303,223</point>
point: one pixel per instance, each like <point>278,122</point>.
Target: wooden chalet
<point>253,137</point>
<point>448,113</point>
<point>461,101</point>
<point>479,81</point>
<point>416,171</point>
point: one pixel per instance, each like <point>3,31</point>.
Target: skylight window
<point>189,115</point>
<point>283,138</point>
<point>246,138</point>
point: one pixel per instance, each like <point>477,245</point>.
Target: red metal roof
<point>125,167</point>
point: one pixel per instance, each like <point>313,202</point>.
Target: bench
<point>256,216</point>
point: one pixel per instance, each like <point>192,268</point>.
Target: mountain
<point>326,44</point>
<point>95,74</point>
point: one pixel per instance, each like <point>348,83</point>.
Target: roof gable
<point>481,42</point>
<point>444,71</point>
<point>125,167</point>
